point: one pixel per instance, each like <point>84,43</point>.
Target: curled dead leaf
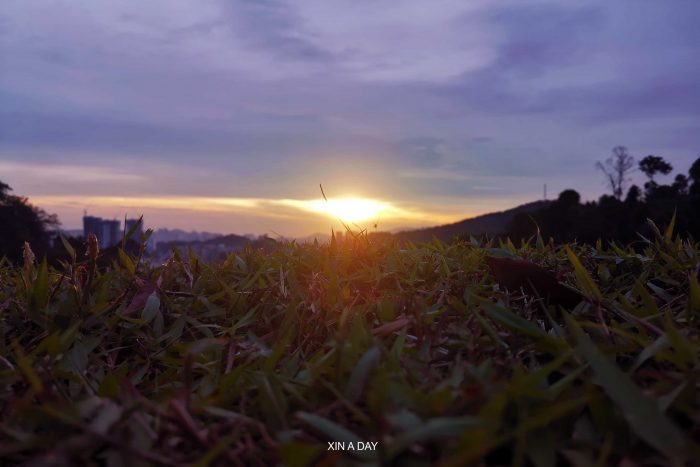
<point>392,326</point>
<point>516,274</point>
<point>146,288</point>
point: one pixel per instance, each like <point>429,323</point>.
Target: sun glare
<point>350,209</point>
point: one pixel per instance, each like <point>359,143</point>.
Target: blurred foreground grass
<point>267,357</point>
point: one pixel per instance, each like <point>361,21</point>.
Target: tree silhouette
<point>569,197</point>
<point>616,168</point>
<point>680,185</point>
<point>633,195</point>
<point>20,222</point>
<point>694,176</point>
<point>651,165</point>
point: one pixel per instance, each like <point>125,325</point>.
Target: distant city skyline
<point>109,232</point>
<point>226,115</point>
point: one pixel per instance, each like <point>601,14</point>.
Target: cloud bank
<point>419,102</point>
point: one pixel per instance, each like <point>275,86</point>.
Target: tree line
<point>20,222</point>
<point>621,215</point>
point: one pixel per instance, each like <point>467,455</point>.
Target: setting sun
<point>350,209</point>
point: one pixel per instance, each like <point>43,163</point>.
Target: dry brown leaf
<point>392,326</point>
<point>513,274</point>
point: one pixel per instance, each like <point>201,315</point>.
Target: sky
<point>227,115</point>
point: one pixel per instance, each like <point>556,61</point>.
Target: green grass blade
<point>641,412</point>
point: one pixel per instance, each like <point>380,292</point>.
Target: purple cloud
<point>269,98</point>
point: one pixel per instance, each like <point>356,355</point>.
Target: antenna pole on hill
<point>545,192</point>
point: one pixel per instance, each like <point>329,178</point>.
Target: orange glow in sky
<point>229,214</point>
<point>351,209</point>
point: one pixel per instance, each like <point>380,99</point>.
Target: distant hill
<point>231,241</point>
<point>178,235</point>
<point>208,249</point>
<point>320,237</point>
<point>72,232</point>
<point>160,235</point>
<point>493,224</point>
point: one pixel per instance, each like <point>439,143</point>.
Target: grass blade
<point>642,413</point>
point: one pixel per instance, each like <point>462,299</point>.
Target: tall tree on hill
<point>616,170</point>
<point>652,165</point>
<point>694,176</point>
<point>680,185</point>
<point>633,195</point>
<point>22,222</point>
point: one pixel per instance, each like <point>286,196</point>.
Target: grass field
<point>266,358</point>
